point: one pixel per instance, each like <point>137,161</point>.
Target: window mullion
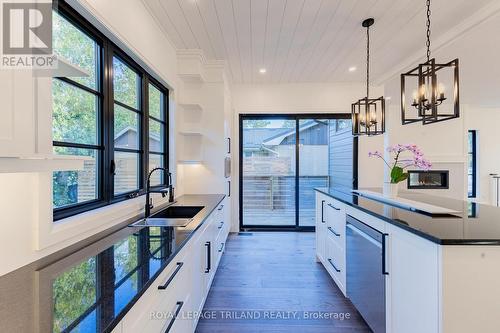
<point>108,124</point>
<point>145,130</point>
<point>166,132</point>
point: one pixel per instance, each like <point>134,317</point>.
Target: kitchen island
<point>133,279</point>
<point>418,272</point>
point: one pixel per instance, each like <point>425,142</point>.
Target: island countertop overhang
<point>476,224</point>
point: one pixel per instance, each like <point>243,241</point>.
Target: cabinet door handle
<point>221,225</point>
<point>322,211</point>
<point>384,245</point>
<point>220,207</point>
<point>333,265</point>
<point>332,206</point>
<point>169,280</point>
<point>176,314</point>
<point>229,145</point>
<point>208,245</point>
<point>221,247</point>
<point>333,231</point>
<point>228,188</point>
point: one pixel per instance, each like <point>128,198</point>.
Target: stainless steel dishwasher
<point>366,272</point>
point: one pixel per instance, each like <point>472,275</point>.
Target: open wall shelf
<point>190,133</point>
<point>190,107</point>
<point>190,148</point>
<point>41,163</point>
<point>190,161</point>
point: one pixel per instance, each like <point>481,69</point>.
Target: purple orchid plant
<point>401,163</point>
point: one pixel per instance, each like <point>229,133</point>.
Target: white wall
<point>25,200</point>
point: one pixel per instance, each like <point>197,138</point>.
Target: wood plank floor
<point>266,274</point>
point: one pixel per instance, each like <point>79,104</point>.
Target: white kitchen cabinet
<point>154,310</point>
<point>320,227</point>
<point>17,115</point>
<point>190,273</point>
<point>330,237</point>
<point>26,125</point>
<point>412,286</point>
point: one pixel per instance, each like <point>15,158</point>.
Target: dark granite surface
<point>475,224</point>
<point>91,289</point>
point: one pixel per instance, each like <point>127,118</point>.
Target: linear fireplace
<point>432,179</point>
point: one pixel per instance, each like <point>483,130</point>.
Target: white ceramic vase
<point>390,190</point>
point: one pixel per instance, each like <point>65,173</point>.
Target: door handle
<point>221,225</point>
<point>322,211</point>
<point>333,231</point>
<point>208,245</point>
<point>221,247</point>
<point>332,206</point>
<point>112,168</point>
<point>333,265</point>
<point>169,280</point>
<point>174,317</point>
<point>384,245</point>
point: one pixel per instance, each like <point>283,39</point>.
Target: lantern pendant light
<point>368,114</point>
<point>429,102</point>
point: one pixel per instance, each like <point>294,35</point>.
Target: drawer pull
<point>221,225</point>
<point>322,211</point>
<point>384,249</point>
<point>174,317</point>
<point>209,257</point>
<point>333,265</point>
<point>333,231</point>
<point>221,247</point>
<point>164,286</point>
<point>220,208</point>
<point>332,206</point>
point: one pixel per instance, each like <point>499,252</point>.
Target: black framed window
<point>77,115</point>
<point>471,163</point>
<point>117,118</point>
<point>157,130</point>
<point>127,128</point>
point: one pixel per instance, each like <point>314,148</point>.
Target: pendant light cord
<point>367,62</point>
<point>428,43</point>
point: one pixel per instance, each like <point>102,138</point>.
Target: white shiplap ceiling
<point>306,40</point>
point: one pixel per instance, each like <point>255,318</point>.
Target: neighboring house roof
<point>257,138</point>
<point>253,137</point>
<point>129,129</point>
<point>277,139</point>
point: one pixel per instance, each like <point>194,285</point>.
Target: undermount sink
<point>161,222</point>
<point>173,216</point>
<point>178,212</point>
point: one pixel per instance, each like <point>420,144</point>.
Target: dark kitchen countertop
<point>476,224</point>
<point>60,292</point>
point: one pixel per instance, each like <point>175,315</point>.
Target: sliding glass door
<point>283,158</point>
<point>268,168</point>
<point>313,165</point>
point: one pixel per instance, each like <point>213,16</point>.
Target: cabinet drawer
<point>154,310</point>
<point>335,226</point>
<point>335,263</point>
<point>335,215</point>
